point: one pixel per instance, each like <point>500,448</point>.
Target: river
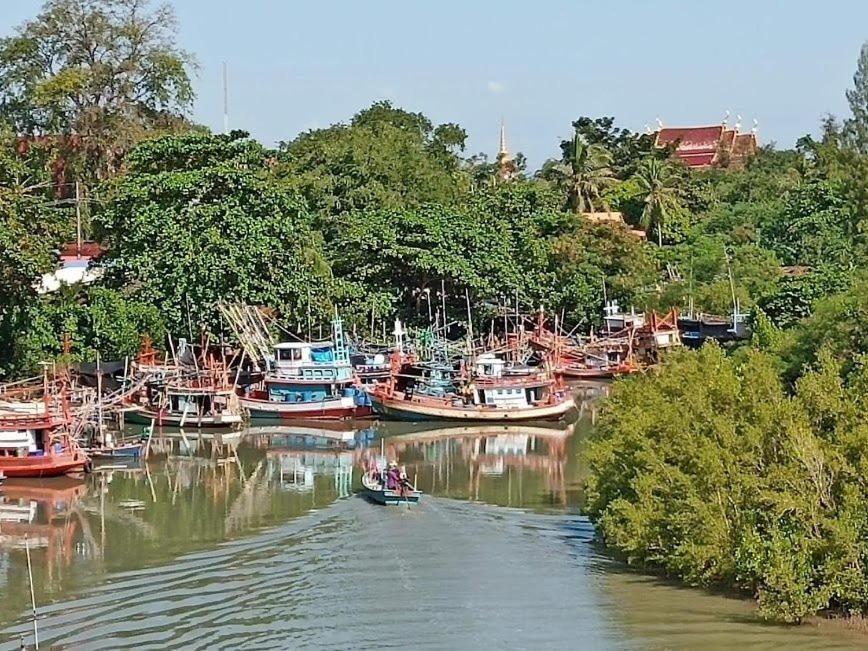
<point>256,540</point>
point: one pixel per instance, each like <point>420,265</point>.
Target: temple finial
<point>503,150</point>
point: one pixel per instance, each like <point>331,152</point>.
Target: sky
<point>299,65</point>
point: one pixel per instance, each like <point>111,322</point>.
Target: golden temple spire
<point>505,165</point>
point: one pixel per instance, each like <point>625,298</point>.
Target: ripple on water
<point>441,574</point>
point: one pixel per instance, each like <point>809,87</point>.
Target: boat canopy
<point>14,439</point>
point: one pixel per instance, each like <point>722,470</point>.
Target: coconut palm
<point>588,173</point>
<point>658,181</point>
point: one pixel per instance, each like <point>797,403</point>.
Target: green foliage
<point>813,229</point>
<point>106,70</point>
<point>793,297</point>
<point>709,470</point>
<point>182,238</point>
<point>385,159</point>
<point>658,181</point>
<point>96,319</point>
<point>30,232</point>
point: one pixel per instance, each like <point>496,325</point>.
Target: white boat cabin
<point>617,320</point>
<point>316,361</point>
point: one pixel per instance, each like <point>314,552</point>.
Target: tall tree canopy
<point>105,70</point>
<point>198,218</point>
<point>384,158</point>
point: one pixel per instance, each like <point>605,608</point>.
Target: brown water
<point>257,541</point>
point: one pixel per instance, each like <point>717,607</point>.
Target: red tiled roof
<point>91,250</point>
<point>697,160</point>
<point>690,138</point>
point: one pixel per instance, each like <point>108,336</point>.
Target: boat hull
<point>147,416</point>
<point>130,451</point>
<point>378,493</point>
<point>390,497</point>
<point>48,466</point>
<point>331,409</point>
<point>399,409</point>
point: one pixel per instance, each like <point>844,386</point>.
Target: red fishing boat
<point>37,446</point>
<point>34,439</point>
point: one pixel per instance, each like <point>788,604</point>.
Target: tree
<point>31,230</point>
<point>814,228</point>
<point>856,127</point>
<point>197,219</point>
<point>385,158</point>
<point>627,148</point>
<point>587,173</point>
<point>658,182</point>
<point>105,71</point>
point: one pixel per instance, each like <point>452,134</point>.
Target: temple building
<point>506,168</point>
<point>711,146</point>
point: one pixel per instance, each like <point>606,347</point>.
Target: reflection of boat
<point>416,434</point>
<point>278,434</point>
<point>375,491</point>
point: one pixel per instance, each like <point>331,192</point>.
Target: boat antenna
<point>443,299</point>
<point>77,220</point>
<point>32,595</point>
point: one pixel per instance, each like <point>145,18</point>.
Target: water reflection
<point>227,539</point>
<point>508,465</point>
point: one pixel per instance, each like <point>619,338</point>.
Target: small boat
<point>193,403</point>
<point>123,451</point>
<point>376,491</point>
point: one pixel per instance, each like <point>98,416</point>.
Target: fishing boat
<point>583,370</point>
<point>375,490</point>
<point>494,391</point>
<point>186,403</point>
<point>36,444</point>
<point>123,451</point>
<point>308,380</point>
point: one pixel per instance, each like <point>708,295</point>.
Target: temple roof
<point>700,146</point>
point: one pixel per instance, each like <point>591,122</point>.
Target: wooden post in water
<point>32,594</point>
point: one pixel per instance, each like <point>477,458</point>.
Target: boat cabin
<point>312,362</point>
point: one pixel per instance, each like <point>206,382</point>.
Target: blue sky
<point>300,65</point>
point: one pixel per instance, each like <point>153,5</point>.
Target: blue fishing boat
<point>308,380</point>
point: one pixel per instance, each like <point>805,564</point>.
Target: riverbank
<point>714,471</point>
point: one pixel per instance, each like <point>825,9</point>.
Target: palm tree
<point>589,173</point>
<point>658,181</point>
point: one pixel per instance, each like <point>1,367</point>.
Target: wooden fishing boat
<point>38,446</point>
<point>494,392</point>
<point>376,491</point>
<point>186,403</point>
<point>308,380</point>
<point>119,452</point>
<point>583,371</point>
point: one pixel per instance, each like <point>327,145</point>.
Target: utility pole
<point>225,99</point>
<point>77,220</point>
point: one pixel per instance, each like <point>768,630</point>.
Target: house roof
<point>91,250</point>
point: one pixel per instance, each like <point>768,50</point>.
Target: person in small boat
<point>393,476</point>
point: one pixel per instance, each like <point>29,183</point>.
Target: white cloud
<point>495,87</point>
